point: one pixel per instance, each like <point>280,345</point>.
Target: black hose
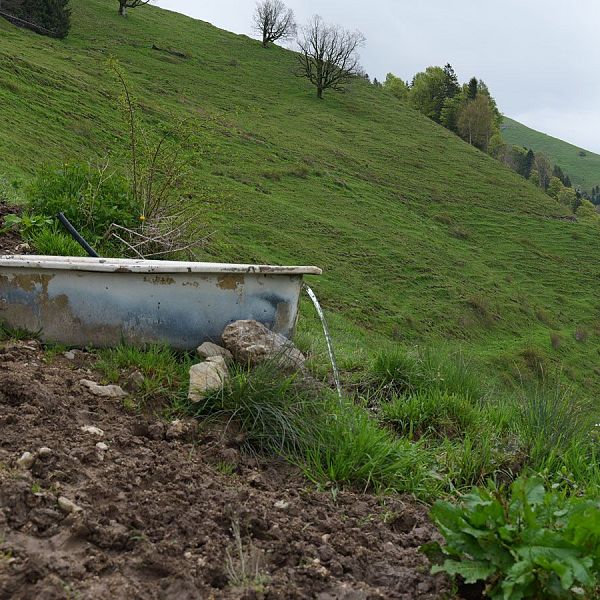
<point>76,235</point>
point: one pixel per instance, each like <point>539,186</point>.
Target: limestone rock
<point>252,343</point>
<point>92,430</point>
<point>208,350</point>
<point>207,377</point>
<point>104,391</point>
<point>67,505</point>
<point>26,461</point>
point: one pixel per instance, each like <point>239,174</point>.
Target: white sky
<point>540,58</point>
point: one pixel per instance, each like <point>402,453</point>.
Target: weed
<point>51,242</point>
<point>243,565</point>
<point>432,413</point>
<point>225,468</point>
<point>166,373</point>
<point>7,332</point>
<point>355,451</point>
<point>527,543</point>
<point>278,413</point>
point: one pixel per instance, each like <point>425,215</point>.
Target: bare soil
<point>10,241</point>
<point>158,508</point>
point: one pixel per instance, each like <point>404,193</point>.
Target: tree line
<point>470,111</point>
<point>47,17</point>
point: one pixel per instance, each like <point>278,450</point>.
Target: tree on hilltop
<point>274,21</point>
<point>329,55</point>
<point>125,4</point>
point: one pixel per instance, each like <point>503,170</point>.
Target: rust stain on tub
<point>160,280</point>
<point>231,281</point>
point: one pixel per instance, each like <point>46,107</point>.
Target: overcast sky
<point>540,58</point>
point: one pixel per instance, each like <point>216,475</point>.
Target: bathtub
<point>102,302</point>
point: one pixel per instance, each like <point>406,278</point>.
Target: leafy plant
<point>532,544</point>
<point>25,223</point>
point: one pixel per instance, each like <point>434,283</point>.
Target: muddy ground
<point>124,506</point>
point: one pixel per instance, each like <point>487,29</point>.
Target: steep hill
<point>422,238</point>
<point>582,166</point>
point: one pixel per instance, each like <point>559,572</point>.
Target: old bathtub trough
<point>106,301</point>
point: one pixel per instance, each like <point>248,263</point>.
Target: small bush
<point>50,242</point>
<point>277,413</point>
<point>529,543</point>
<point>397,372</point>
<point>355,451</point>
<point>91,198</point>
<point>166,373</point>
<point>551,419</point>
<point>431,413</point>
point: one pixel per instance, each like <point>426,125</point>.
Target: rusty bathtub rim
<point>126,265</point>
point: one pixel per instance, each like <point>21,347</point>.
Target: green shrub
<point>354,450</point>
<point>433,413</point>
<point>531,544</point>
<point>91,198</point>
<point>552,418</point>
<point>50,242</point>
<point>166,373</point>
<point>398,372</point>
<point>277,413</point>
<point>26,223</point>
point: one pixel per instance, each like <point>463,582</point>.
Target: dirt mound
<point>141,509</point>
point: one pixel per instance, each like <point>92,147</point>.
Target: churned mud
<point>117,505</point>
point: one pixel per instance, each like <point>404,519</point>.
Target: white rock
<point>281,505</point>
<point>44,452</point>
<point>93,430</point>
<point>104,391</point>
<point>102,447</point>
<point>251,343</point>
<point>67,505</point>
<point>69,355</point>
<point>26,461</point>
<point>208,350</point>
<point>207,377</point>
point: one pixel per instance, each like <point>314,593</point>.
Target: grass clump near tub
<point>157,374</point>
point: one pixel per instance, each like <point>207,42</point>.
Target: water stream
<point>336,373</point>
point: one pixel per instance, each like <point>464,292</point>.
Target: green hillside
<point>582,166</point>
<point>423,239</point>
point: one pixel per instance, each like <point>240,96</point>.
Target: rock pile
<point>247,342</point>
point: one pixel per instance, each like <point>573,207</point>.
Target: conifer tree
<point>472,88</point>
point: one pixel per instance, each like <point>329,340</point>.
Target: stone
<point>44,452</point>
<point>26,461</point>
<point>181,429</point>
<point>67,505</point>
<point>281,505</point>
<point>101,447</point>
<point>104,391</point>
<point>209,350</point>
<point>92,430</point>
<point>207,377</point>
<point>251,343</point>
<point>69,355</point>
<point>135,380</point>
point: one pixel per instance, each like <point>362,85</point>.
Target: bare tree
<point>328,55</point>
<point>125,4</point>
<point>274,21</point>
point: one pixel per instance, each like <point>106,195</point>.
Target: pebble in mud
<point>68,506</point>
<point>92,430</point>
<point>26,461</point>
<point>44,452</point>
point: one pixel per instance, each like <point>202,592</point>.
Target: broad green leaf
<point>472,571</point>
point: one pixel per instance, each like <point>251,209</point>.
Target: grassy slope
<point>422,238</point>
<point>584,171</point>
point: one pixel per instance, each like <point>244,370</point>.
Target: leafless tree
<point>274,21</point>
<point>125,4</point>
<point>329,55</point>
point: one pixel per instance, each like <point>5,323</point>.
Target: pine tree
<point>472,88</point>
<point>452,86</point>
